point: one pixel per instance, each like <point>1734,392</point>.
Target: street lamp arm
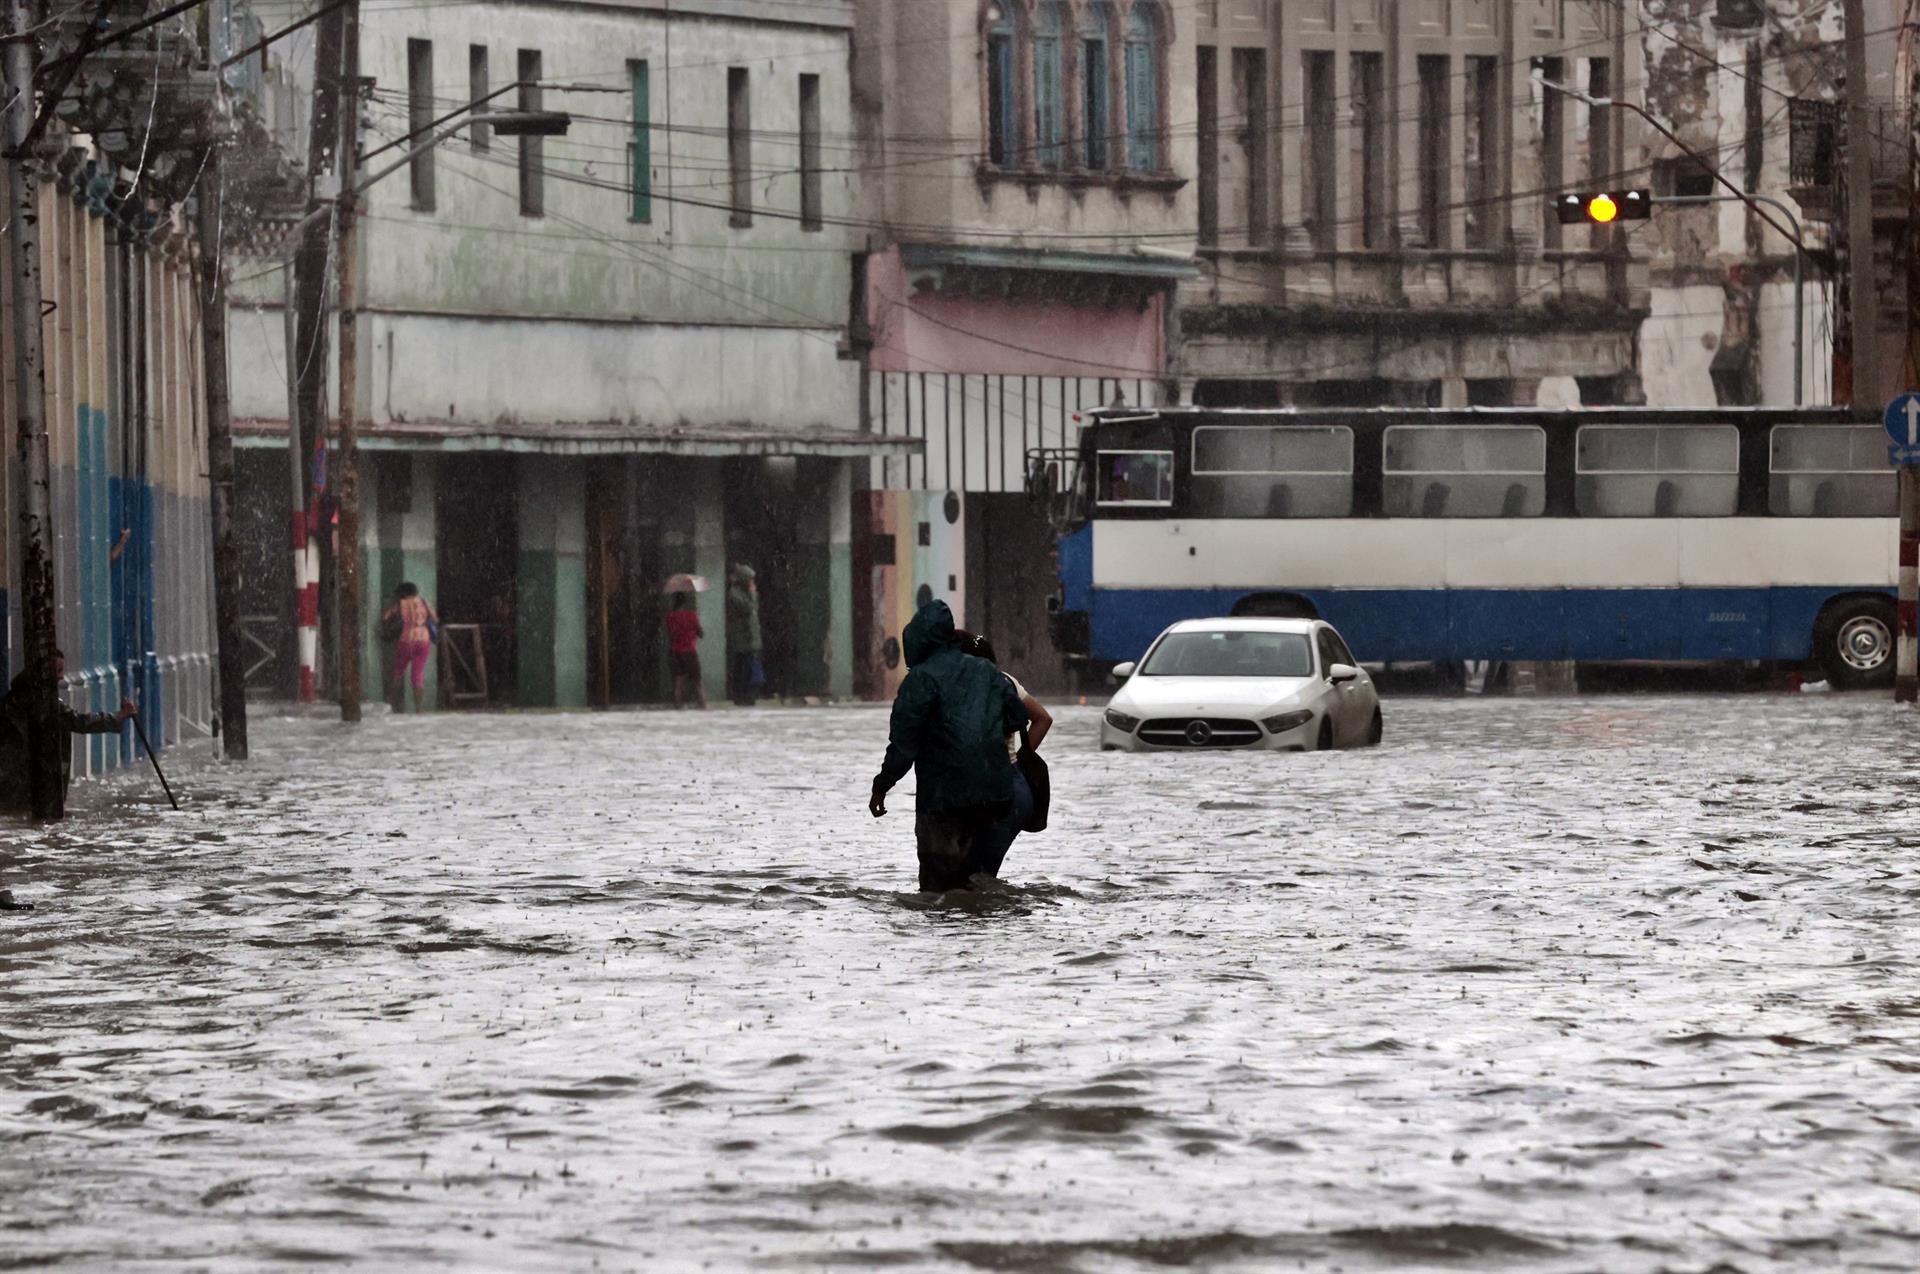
<point>1670,135</point>
<point>453,114</point>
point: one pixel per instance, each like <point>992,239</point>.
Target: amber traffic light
<point>1604,207</point>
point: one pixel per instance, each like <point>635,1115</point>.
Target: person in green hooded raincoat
<point>950,724</point>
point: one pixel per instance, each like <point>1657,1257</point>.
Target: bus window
<point>1465,471</point>
<point>1657,471</point>
<point>1135,478</point>
<point>1831,471</point>
<point>1264,471</point>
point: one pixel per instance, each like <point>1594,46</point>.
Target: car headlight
<point>1287,721</point>
<point>1121,721</point>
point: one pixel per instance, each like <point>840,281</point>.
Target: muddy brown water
<point>1622,984</point>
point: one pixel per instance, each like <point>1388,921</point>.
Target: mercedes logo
<point>1199,733</point>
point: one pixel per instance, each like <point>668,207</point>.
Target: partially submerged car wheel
<point>1326,735</point>
<point>1374,729</point>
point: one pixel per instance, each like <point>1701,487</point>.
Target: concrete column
<point>823,579</point>
<point>398,515</point>
<point>552,583</point>
<point>704,487</point>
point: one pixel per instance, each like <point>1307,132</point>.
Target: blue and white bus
<point>1598,534</point>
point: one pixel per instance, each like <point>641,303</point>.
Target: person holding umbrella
<point>683,641</point>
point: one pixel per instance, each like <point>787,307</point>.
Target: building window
<point>1206,74</point>
<point>640,148</point>
<point>1831,471</point>
<point>1370,136</point>
<point>1553,162</point>
<point>1482,119</point>
<point>811,216</point>
<point>1682,177</point>
<point>1096,83</point>
<point>1143,86</point>
<point>479,136</point>
<point>420,119</point>
<point>1465,471</point>
<point>1657,471</point>
<point>1435,109</point>
<point>1320,192</point>
<point>740,146</point>
<point>1003,85</point>
<point>533,176</point>
<point>1250,103</point>
<point>1050,85</point>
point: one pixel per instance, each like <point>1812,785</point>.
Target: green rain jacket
<point>951,720</point>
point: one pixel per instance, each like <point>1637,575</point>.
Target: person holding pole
<point>21,733</point>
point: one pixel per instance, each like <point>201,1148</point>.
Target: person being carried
<point>20,733</point>
<point>993,847</point>
<point>743,636</point>
<point>683,650</point>
<point>950,724</point>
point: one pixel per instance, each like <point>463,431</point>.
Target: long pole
<point>347,561</point>
<point>36,496</point>
<point>226,554</point>
<point>1863,339</point>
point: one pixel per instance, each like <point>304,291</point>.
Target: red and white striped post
<point>1906,668</point>
<point>306,554</point>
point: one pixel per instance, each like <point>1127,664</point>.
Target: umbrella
<point>684,583</point>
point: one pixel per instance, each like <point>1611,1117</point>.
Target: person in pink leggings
<point>413,622</point>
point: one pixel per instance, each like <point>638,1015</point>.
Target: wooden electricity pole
<point>350,610</point>
<point>226,554</point>
<point>1867,387</point>
<point>30,415</point>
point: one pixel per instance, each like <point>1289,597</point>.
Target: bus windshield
<point>1230,653</point>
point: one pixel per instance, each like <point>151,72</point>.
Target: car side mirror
<point>1122,671</point>
<point>1341,674</point>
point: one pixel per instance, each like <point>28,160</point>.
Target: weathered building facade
<point>1030,207</point>
<point>593,361</point>
<point>1374,202</point>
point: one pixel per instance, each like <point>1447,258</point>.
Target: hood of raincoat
<point>928,633</point>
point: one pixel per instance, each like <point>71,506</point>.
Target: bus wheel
<point>1326,735</point>
<point>1855,643</point>
<point>1375,729</point>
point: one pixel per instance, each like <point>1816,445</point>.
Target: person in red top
<point>683,650</point>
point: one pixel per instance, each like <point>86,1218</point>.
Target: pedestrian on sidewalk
<point>21,735</point>
<point>683,650</point>
<point>950,724</point>
<point>1031,789</point>
<point>414,627</point>
<point>743,636</point>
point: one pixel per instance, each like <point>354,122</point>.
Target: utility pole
<point>307,351</point>
<point>30,414</point>
<point>1860,272</point>
<point>226,554</point>
<point>1906,646</point>
<point>348,619</point>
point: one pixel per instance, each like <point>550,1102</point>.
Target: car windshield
<point>1230,653</point>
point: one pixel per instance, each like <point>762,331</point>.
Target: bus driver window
<point>1136,478</point>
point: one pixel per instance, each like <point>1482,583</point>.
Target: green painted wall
<point>552,588</point>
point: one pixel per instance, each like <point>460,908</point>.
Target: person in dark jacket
<point>950,725</point>
<point>19,732</point>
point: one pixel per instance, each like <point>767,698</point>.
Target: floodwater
<point>1617,984</point>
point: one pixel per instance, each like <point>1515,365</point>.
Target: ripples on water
<point>1606,984</point>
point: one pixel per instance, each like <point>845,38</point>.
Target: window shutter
<point>1049,108</point>
<point>642,147</point>
<point>1143,111</point>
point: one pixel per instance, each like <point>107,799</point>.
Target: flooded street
<point>1611,984</point>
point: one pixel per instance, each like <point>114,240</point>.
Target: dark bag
<point>1034,770</point>
<point>390,627</point>
<point>433,629</point>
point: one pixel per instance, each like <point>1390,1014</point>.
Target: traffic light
<point>1604,207</point>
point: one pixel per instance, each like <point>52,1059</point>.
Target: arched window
<point>1003,83</point>
<point>1050,84</point>
<point>1142,68</point>
<point>1096,83</point>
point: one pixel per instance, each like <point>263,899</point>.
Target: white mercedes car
<point>1288,685</point>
